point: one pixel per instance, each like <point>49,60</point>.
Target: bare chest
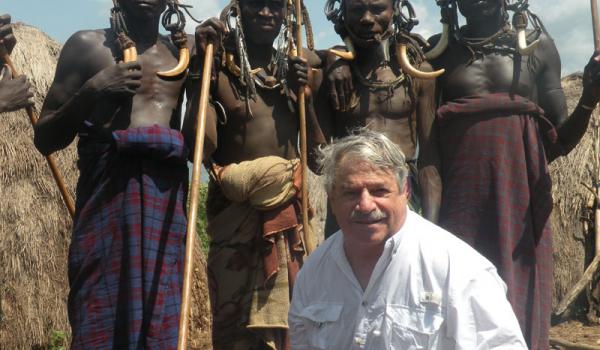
<point>491,73</point>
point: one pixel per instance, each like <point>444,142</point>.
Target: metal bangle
<point>587,107</point>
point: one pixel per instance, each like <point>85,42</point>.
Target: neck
<point>259,55</point>
<point>370,58</point>
<point>362,260</point>
<point>484,26</point>
<point>144,32</point>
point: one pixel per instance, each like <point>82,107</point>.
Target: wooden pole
<point>309,242</point>
<point>195,196</point>
<point>33,118</point>
<point>595,24</point>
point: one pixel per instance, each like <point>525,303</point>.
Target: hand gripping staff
<point>309,243</point>
<point>195,196</point>
<point>33,118</point>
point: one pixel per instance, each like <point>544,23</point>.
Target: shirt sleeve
<point>480,316</point>
<point>297,329</point>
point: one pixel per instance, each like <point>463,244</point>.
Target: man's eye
<point>378,9</point>
<point>380,192</point>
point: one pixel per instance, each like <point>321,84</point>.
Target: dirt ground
<point>577,333</point>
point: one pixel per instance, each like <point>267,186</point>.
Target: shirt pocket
<point>413,328</point>
<point>319,320</point>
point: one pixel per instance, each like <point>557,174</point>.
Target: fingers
<point>7,37</point>
<point>133,66</point>
<point>348,89</point>
<point>6,73</point>
<point>339,86</point>
<point>4,19</point>
<point>333,96</point>
<point>211,30</point>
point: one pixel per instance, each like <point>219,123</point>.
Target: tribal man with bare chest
<point>502,118</point>
<point>125,259</point>
<point>384,94</point>
<point>253,201</point>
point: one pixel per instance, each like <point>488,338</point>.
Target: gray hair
<point>363,144</point>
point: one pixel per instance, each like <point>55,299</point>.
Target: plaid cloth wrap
<point>497,196</point>
<point>125,259</point>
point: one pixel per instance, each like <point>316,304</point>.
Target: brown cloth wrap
<point>255,251</point>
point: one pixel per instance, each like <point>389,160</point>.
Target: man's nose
<point>367,18</point>
<point>265,11</point>
<point>365,203</point>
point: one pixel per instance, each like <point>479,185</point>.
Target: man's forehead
<point>369,2</point>
<point>278,2</point>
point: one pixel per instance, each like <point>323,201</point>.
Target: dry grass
<point>571,199</point>
<point>35,227</point>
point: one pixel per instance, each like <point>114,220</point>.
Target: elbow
<point>40,142</point>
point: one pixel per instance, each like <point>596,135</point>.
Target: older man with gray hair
<point>390,279</point>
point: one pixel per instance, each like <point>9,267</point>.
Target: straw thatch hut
<point>572,219</point>
<point>35,226</point>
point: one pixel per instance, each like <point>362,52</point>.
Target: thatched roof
<point>35,225</point>
<point>571,199</point>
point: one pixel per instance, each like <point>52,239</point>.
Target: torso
<point>392,112</point>
<point>492,73</point>
<point>155,102</point>
<point>271,130</point>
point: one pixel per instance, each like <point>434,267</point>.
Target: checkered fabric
<point>125,259</point>
<point>497,196</point>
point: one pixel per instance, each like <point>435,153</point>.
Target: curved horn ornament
<point>441,45</point>
<point>404,62</point>
<point>522,46</point>
<point>346,55</point>
<point>184,60</point>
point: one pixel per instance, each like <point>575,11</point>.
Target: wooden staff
<point>308,238</point>
<point>33,118</point>
<point>195,192</point>
<point>595,24</point>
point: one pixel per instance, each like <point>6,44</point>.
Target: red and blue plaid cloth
<point>497,196</point>
<point>125,259</point>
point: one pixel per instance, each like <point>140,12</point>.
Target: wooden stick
<point>309,242</point>
<point>579,286</point>
<point>33,118</point>
<point>195,196</point>
<point>595,24</point>
<point>572,346</point>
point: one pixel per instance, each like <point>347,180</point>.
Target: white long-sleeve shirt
<point>429,290</point>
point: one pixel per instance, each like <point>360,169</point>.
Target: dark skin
<point>90,85</point>
<point>539,82</point>
<point>14,93</point>
<point>403,120</point>
<point>272,130</point>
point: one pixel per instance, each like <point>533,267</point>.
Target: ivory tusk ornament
<point>407,67</point>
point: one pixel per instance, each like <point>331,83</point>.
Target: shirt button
<point>376,333</point>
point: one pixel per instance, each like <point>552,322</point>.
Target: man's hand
<point>299,75</point>
<point>339,84</point>
<point>14,93</point>
<point>7,37</point>
<point>591,81</point>
<point>211,30</point>
<point>117,81</point>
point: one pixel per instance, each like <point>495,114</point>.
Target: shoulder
<point>322,258</point>
<point>432,41</point>
<point>86,39</point>
<point>443,251</point>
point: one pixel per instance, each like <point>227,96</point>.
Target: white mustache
<point>374,215</point>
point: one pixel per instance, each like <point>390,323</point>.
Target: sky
<point>569,22</point>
